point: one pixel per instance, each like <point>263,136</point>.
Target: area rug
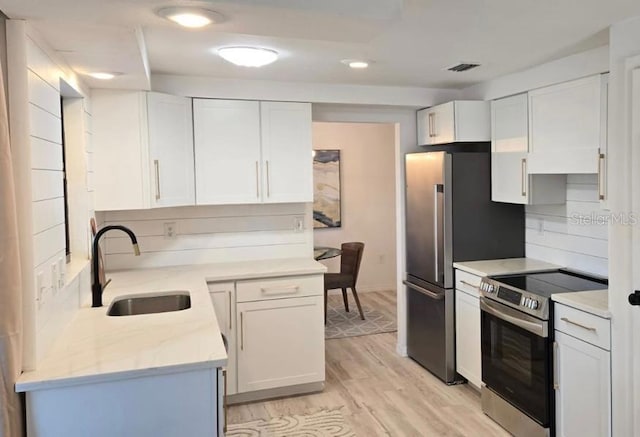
<point>322,424</point>
<point>342,324</point>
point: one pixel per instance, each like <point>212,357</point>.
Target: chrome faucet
<point>96,288</point>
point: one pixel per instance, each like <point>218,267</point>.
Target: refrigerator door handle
<point>436,230</point>
<point>428,293</point>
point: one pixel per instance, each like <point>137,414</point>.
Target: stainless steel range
<point>517,343</point>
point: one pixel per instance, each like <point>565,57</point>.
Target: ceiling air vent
<point>462,66</point>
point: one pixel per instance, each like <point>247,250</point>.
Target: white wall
<point>367,155</point>
<point>208,234</point>
<point>37,79</point>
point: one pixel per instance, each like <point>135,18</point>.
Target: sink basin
<point>149,304</point>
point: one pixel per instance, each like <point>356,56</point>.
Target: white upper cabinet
<point>252,152</point>
<point>171,150</point>
<point>565,127</point>
<point>457,121</point>
<point>227,151</point>
<point>286,152</point>
<point>510,179</point>
<point>143,153</point>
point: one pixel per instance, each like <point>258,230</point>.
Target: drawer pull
<point>571,322</point>
<point>230,318</point>
<point>477,287</point>
<point>292,289</point>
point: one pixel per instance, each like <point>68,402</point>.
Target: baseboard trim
<point>273,393</point>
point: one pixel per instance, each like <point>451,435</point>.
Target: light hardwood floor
<point>382,394</point>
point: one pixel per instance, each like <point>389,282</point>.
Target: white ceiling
<point>409,42</point>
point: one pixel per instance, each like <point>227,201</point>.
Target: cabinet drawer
<point>468,283</point>
<point>587,327</point>
<point>279,288</point>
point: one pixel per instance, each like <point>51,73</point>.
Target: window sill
<point>74,269</point>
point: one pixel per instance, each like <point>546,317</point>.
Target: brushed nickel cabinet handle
<point>257,181</point>
<point>601,175</point>
<point>430,124</point>
<point>268,180</point>
<point>556,385</point>
<point>435,132</point>
<point>241,331</point>
<point>225,407</point>
<point>291,289</point>
<point>524,176</point>
<point>477,287</point>
<point>230,310</point>
<point>156,165</point>
<point>580,325</point>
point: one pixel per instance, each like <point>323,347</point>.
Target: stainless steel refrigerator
<point>449,217</point>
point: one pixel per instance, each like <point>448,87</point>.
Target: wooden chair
<point>349,267</point>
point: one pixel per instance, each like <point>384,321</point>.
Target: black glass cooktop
<point>547,283</point>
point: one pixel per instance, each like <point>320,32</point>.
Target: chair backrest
<point>350,259</point>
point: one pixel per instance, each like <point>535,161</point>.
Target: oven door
<point>516,361</point>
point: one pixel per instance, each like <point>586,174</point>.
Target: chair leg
<point>355,296</point>
<point>345,299</point>
<point>325,307</point>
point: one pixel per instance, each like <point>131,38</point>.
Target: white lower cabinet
<point>468,355</point>
<point>223,297</point>
<point>275,333</point>
<point>583,385</point>
<point>281,343</point>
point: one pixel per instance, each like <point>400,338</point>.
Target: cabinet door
<point>227,151</point>
<point>443,123</point>
<point>564,127</point>
<point>468,355</point>
<point>583,393</point>
<point>121,151</point>
<point>286,152</point>
<point>171,150</point>
<point>281,343</point>
<point>425,137</point>
<point>223,299</point>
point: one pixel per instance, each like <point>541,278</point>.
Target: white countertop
<point>96,347</point>
<point>595,302</point>
<point>507,266</point>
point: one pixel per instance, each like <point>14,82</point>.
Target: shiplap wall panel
<point>47,243</point>
<point>45,155</point>
<point>205,256</point>
<point>41,64</point>
<point>44,124</point>
<point>574,234</point>
<point>207,234</point>
<point>46,184</point>
<point>47,214</point>
<point>43,95</point>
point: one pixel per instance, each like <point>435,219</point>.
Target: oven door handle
<point>515,317</point>
<point>428,293</point>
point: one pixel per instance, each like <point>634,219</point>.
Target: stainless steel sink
<point>149,304</point>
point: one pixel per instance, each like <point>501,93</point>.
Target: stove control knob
<point>526,302</point>
<point>490,288</point>
<point>534,304</point>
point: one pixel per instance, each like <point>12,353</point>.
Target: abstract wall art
<point>326,194</point>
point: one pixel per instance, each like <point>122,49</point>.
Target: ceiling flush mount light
<point>191,17</point>
<point>248,56</point>
<point>357,64</point>
<point>103,75</point>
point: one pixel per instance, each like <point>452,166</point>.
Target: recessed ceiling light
<point>192,17</point>
<point>356,63</point>
<point>103,75</point>
<point>248,56</point>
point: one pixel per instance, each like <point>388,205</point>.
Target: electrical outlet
<point>62,271</point>
<point>170,230</point>
<point>540,226</point>
<point>39,288</point>
<point>54,278</point>
<point>298,224</point>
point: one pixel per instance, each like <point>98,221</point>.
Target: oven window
<point>516,365</point>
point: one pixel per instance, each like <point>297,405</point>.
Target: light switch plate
<point>54,278</point>
<point>298,224</point>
